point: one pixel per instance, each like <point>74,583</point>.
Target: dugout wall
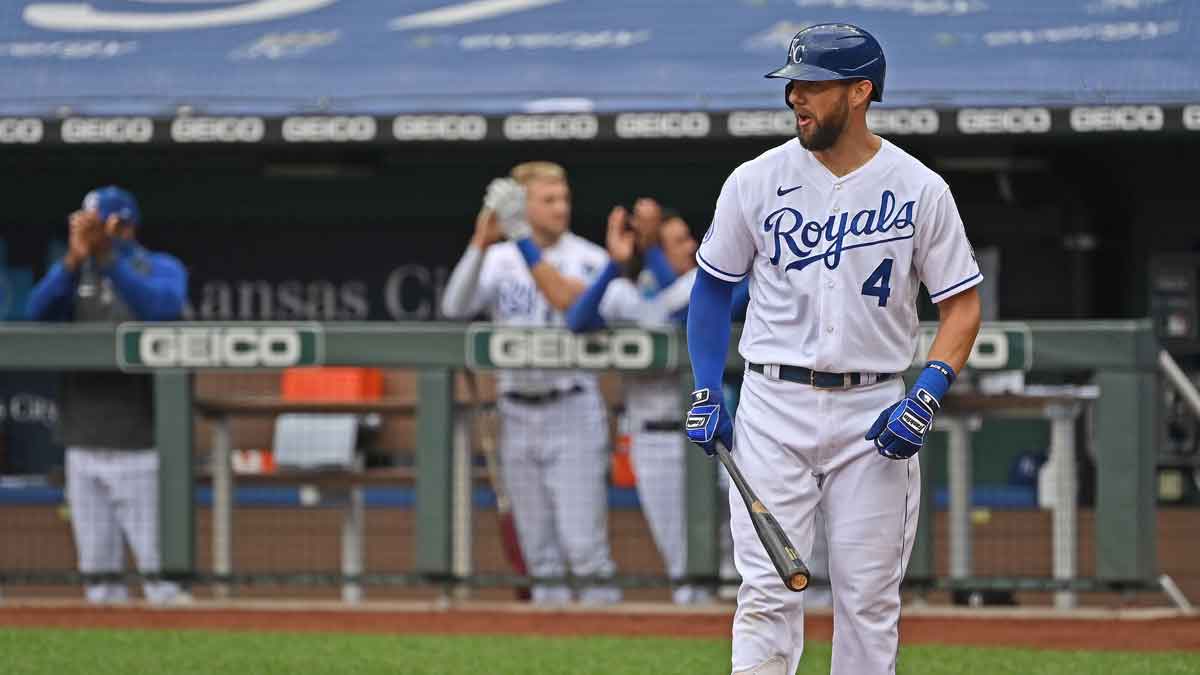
<point>1120,356</point>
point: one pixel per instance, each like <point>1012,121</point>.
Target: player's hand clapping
<point>646,220</point>
<point>620,240</point>
<point>87,237</point>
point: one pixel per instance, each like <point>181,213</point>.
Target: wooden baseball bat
<point>787,561</point>
<point>483,436</point>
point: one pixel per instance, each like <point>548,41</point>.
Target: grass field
<point>95,652</point>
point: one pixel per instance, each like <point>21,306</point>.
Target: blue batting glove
<point>900,430</point>
<point>707,421</point>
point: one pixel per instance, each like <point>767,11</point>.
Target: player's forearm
<point>559,290</point>
<point>458,299</point>
<point>50,298</point>
<point>958,325</point>
<point>656,262</point>
<point>584,313</point>
<point>708,329</point>
<point>157,296</point>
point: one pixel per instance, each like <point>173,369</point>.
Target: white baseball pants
<point>802,450</point>
<point>115,492</point>
<point>554,457</point>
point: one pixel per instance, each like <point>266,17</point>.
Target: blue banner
<point>287,57</point>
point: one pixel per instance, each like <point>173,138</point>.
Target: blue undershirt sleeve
<point>656,262</point>
<point>50,299</point>
<point>708,329</point>
<point>156,296</point>
<point>584,315</point>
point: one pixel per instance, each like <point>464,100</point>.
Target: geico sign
<point>550,127</point>
<point>439,128</point>
<point>759,123</point>
<point>323,129</point>
<point>107,130</point>
<point>218,130</point>
<point>1117,118</point>
<point>903,121</point>
<point>994,349</point>
<point>219,347</point>
<point>1004,120</point>
<point>20,130</point>
<point>663,125</point>
<point>1191,118</point>
<point>626,349</point>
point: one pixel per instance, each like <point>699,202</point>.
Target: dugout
<point>347,207</point>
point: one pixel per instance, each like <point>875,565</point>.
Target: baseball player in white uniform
<point>554,432</point>
<point>837,229</point>
<point>651,400</point>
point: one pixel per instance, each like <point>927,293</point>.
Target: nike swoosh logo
<point>781,192</point>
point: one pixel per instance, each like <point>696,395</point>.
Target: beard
<point>826,133</point>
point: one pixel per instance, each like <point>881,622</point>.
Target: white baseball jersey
<point>623,301</point>
<point>650,397</point>
<point>507,292</point>
<point>835,263</point>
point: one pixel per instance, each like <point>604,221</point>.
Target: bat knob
<point>798,582</point>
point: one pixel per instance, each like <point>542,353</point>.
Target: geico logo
<point>1191,117</point>
<point>1004,120</point>
<point>107,130</point>
<point>217,130</point>
<point>759,123</point>
<point>663,125</point>
<point>328,129</point>
<point>229,347</point>
<point>990,350</point>
<point>439,128</point>
<point>1117,118</point>
<point>903,121</point>
<point>550,127</point>
<point>629,349</point>
<point>20,130</point>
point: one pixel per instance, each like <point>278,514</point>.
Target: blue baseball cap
<point>111,199</point>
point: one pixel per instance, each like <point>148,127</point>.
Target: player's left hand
<point>708,422</point>
<point>900,430</point>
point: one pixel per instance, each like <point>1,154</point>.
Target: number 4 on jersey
<point>879,283</point>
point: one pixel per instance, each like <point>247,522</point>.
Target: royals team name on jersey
<point>836,262</point>
<point>826,241</point>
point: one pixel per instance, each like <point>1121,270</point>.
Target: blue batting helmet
<point>111,199</point>
<point>834,51</point>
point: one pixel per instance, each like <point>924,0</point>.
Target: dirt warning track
<point>1093,633</point>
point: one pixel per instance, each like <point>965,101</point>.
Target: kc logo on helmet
<point>107,130</point>
<point>1004,120</point>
